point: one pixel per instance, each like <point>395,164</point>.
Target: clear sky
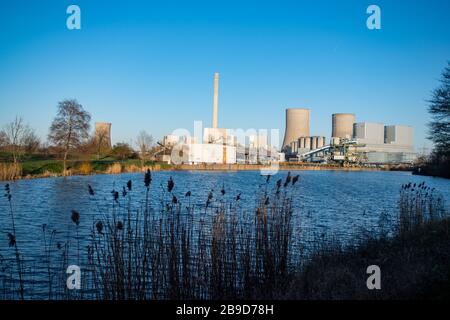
<point>149,64</point>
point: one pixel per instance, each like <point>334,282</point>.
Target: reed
<point>85,168</point>
<point>182,250</point>
<point>10,171</point>
<point>115,168</point>
<point>13,242</point>
<point>176,248</point>
<point>418,205</point>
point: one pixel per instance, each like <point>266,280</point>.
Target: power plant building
<point>398,135</point>
<point>385,144</point>
<point>369,132</point>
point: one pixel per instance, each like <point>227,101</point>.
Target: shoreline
<point>212,168</point>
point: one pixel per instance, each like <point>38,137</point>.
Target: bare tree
<point>70,128</point>
<point>3,139</point>
<point>31,142</point>
<point>15,135</point>
<point>145,143</point>
<point>101,141</point>
<point>439,109</point>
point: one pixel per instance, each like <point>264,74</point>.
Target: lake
<point>340,204</point>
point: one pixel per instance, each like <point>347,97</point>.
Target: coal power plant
<point>351,142</point>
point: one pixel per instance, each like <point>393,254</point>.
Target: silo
<point>313,143</point>
<point>294,146</point>
<point>307,143</point>
<point>335,141</point>
<point>297,125</point>
<point>301,142</point>
<point>342,125</point>
<point>320,142</point>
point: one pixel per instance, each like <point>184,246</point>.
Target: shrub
<point>85,168</point>
<point>115,168</point>
<point>10,171</point>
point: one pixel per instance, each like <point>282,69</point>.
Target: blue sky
<point>149,64</point>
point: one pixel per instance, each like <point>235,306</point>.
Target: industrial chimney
<point>216,100</point>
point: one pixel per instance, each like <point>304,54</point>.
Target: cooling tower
<point>297,125</point>
<point>342,126</point>
<point>103,133</point>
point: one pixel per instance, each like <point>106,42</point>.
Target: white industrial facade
<point>204,153</point>
<point>369,132</point>
<point>398,135</point>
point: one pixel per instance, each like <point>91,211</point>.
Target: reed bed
<point>418,205</point>
<point>175,248</point>
<point>10,171</point>
<point>115,168</point>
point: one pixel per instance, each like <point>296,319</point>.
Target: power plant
<point>351,142</point>
<point>220,145</point>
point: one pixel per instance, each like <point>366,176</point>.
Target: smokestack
<point>216,100</point>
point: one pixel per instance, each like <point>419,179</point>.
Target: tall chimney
<point>216,100</point>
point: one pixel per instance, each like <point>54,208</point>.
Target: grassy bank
<point>434,170</point>
<point>53,168</point>
<point>414,265</point>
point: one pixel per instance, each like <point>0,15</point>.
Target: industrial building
<point>351,142</point>
<point>385,144</point>
<point>220,145</point>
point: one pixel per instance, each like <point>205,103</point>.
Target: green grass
<point>38,166</point>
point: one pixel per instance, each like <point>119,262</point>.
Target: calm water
<point>343,204</point>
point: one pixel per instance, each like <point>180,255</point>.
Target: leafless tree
<point>31,142</point>
<point>3,139</point>
<point>70,128</point>
<point>101,141</point>
<point>15,135</point>
<point>145,143</point>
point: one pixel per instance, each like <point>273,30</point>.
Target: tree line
<point>69,135</point>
